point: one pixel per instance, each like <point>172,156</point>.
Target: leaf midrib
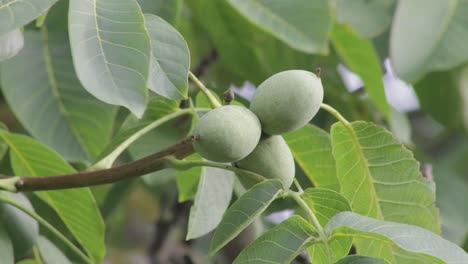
<point>248,221</point>
<point>55,90</point>
<point>363,158</point>
<point>101,48</point>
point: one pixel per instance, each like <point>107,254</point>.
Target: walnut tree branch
<point>154,162</point>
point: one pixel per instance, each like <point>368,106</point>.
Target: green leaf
<point>440,95</point>
<point>211,201</point>
<point>50,102</point>
<point>169,10</point>
<point>355,259</point>
<point>452,194</point>
<point>380,178</point>
<point>281,244</point>
<point>400,126</point>
<point>111,51</point>
<point>244,211</point>
<point>170,59</point>
<point>245,51</point>
<point>326,204</point>
<point>76,207</point>
<point>427,35</point>
<point>187,180</point>
<point>290,21</point>
<point>368,18</point>
<point>6,246</point>
<point>28,261</point>
<point>417,241</point>
<point>50,253</point>
<point>3,145</point>
<point>56,18</point>
<point>10,44</point>
<point>22,229</point>
<point>133,128</point>
<point>311,147</point>
<point>360,56</point>
<point>17,13</point>
<point>201,100</point>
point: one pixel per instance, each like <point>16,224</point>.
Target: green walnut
<point>227,134</point>
<point>273,159</point>
<point>20,227</point>
<point>287,101</point>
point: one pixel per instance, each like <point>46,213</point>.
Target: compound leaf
<point>50,101</point>
<point>170,59</point>
<point>360,56</point>
<point>111,51</point>
<point>76,207</point>
<point>419,242</point>
<point>17,13</point>
<point>326,204</point>
<point>311,148</point>
<point>211,201</point>
<point>244,211</point>
<point>427,35</point>
<point>280,244</point>
<point>380,178</point>
<point>290,21</point>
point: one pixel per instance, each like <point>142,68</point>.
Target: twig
<point>187,164</point>
<point>335,113</point>
<point>107,161</point>
<point>154,162</point>
<point>201,68</point>
<point>313,219</point>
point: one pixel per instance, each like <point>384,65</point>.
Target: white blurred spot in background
<point>400,95</point>
<point>280,216</point>
<point>246,90</point>
<point>351,80</point>
<point>10,44</point>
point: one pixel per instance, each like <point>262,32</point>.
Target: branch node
<point>10,184</point>
<point>19,184</point>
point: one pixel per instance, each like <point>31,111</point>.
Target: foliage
<point>101,91</point>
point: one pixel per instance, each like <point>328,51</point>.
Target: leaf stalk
<point>213,101</point>
<point>187,164</point>
<point>313,219</point>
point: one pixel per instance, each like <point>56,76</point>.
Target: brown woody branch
<point>154,162</point>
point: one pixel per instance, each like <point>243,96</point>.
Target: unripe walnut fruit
<point>227,134</point>
<point>273,159</point>
<point>287,101</point>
